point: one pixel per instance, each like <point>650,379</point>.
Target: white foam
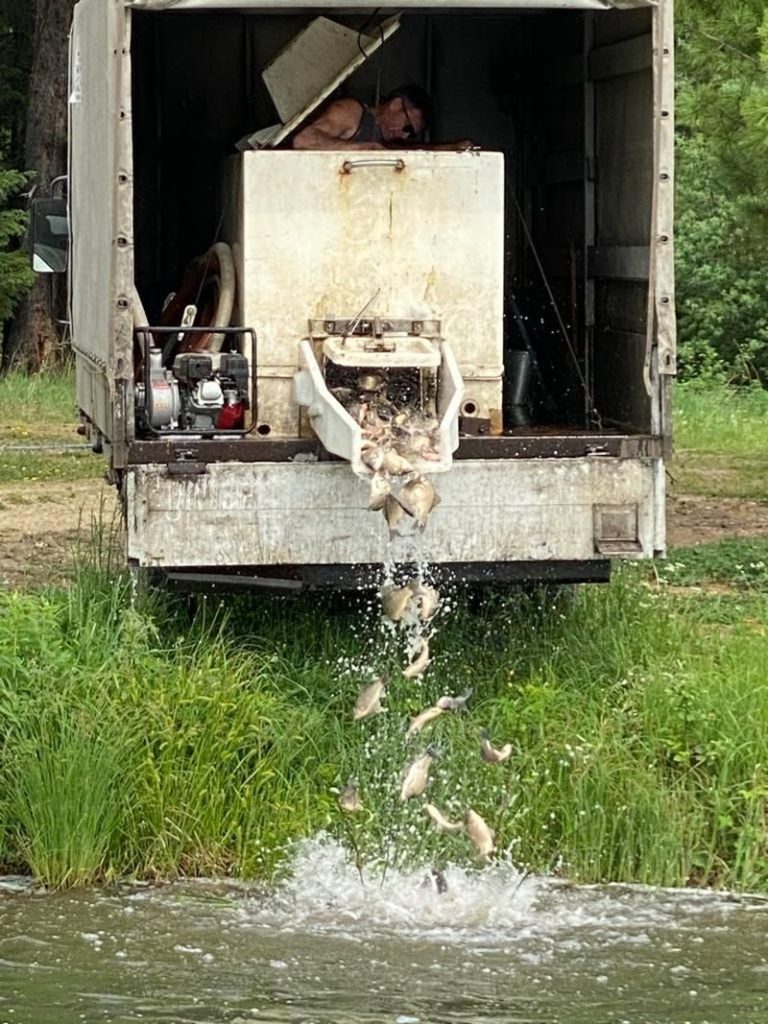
<point>498,906</point>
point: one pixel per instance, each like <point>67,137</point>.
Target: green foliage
<point>15,273</point>
<point>722,301</point>
<point>722,188</point>
<point>137,742</point>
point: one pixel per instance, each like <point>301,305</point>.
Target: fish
<point>427,599</point>
<point>349,798</point>
<point>489,752</point>
<point>370,382</point>
<point>369,699</point>
<point>396,464</point>
<point>419,663</point>
<point>480,834</point>
<point>379,492</point>
<point>441,882</point>
<point>395,602</point>
<point>441,821</point>
<point>417,776</point>
<point>435,879</point>
<point>454,703</point>
<point>373,456</point>
<point>422,719</point>
<point>393,511</point>
<point>418,497</point>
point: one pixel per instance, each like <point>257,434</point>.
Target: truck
<point>242,311</point>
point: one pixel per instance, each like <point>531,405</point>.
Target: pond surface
<point>495,949</point>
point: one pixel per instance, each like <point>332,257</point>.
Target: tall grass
<point>137,741</point>
<point>36,403</point>
<point>711,417</point>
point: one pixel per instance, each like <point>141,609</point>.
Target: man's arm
<point>334,128</point>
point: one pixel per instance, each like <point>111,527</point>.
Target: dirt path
<point>42,524</point>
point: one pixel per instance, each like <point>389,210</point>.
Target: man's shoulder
<point>346,105</point>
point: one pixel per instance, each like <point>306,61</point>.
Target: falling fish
<point>419,662</point>
<point>441,821</point>
<point>480,834</point>
<point>395,602</point>
<point>393,511</point>
<point>422,719</point>
<point>417,776</point>
<point>489,752</point>
<point>418,497</point>
<point>427,599</point>
<point>455,703</point>
<point>369,700</point>
<point>379,492</point>
<point>349,798</point>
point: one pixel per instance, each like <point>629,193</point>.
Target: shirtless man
<point>402,116</point>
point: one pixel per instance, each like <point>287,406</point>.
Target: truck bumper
<point>492,512</point>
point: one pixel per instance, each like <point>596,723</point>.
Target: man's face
<point>398,119</point>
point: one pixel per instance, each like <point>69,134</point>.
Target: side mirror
<point>49,231</point>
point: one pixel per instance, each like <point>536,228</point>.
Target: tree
<point>722,187</point>
<point>33,341</point>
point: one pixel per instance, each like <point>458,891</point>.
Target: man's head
<point>404,113</point>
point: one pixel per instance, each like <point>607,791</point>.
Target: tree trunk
<point>34,341</point>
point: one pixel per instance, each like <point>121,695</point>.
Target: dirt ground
<point>42,525</point>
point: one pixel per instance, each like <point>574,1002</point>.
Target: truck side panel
<point>293,513</point>
<point>100,302</point>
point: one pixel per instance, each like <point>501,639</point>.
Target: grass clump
<point>721,442</point>
<point>137,741</point>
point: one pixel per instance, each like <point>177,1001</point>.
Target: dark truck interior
<point>566,96</point>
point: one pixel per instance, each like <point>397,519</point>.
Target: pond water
<point>328,946</point>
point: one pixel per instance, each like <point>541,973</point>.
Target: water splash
<point>497,907</point>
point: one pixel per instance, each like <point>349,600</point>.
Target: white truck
<point>519,293</point>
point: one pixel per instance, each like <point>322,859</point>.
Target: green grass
<point>28,467</point>
<point>721,420</point>
<point>136,742</point>
<point>40,410</point>
<point>38,407</point>
<point>139,741</point>
<point>721,441</point>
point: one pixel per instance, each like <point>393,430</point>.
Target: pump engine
<point>202,392</point>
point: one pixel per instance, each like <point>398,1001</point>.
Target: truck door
<point>101,254</point>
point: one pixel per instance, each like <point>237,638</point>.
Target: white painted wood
<point>425,242</point>
<point>304,513</point>
<point>308,70</point>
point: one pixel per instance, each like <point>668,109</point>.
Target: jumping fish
<point>480,834</point>
<point>369,700</point>
<point>349,798</point>
<point>422,719</point>
<point>490,753</point>
<point>418,497</point>
<point>427,599</point>
<point>395,602</point>
<point>420,661</point>
<point>455,703</point>
<point>417,776</point>
<point>441,821</point>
